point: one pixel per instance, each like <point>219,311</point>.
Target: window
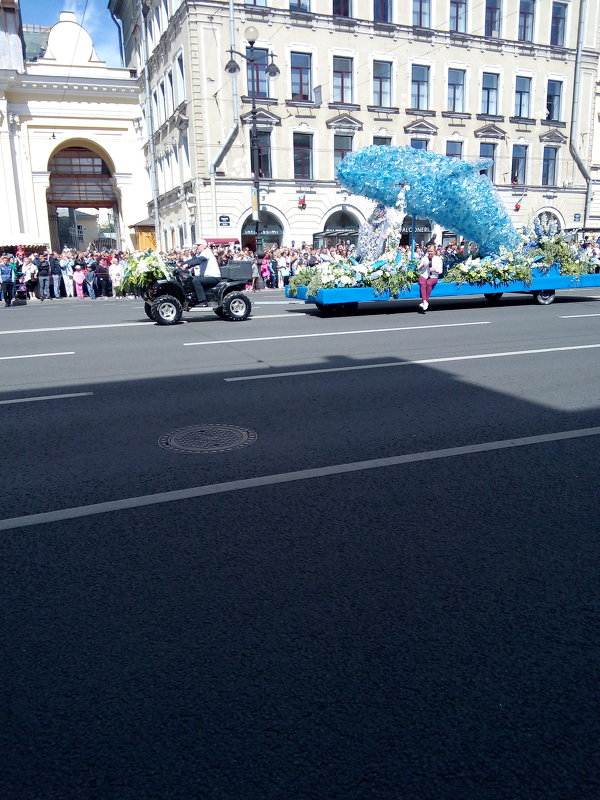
<point>419,90</point>
<point>382,84</point>
<point>263,146</point>
<point>549,166</point>
<point>557,24</point>
<point>303,155</point>
<point>342,8</point>
<point>492,18</point>
<point>456,90</point>
<point>258,85</point>
<point>181,236</point>
<point>522,97</point>
<point>382,10</point>
<point>300,5</point>
<point>458,16</point>
<point>262,3</point>
<point>170,93</point>
<point>519,163</point>
<point>421,13</point>
<point>301,76</point>
<point>382,141</point>
<point>454,149</point>
<point>419,144</point>
<point>489,94</point>
<point>553,100</point>
<point>180,75</point>
<point>342,80</point>
<point>342,144</point>
<point>526,13</point>
<point>488,150</point>
<point>163,101</point>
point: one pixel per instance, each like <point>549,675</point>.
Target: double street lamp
<point>272,71</point>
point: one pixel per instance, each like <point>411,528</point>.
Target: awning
<point>213,240</point>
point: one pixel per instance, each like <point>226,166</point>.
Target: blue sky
<point>93,15</point>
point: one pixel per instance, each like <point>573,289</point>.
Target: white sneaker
<point>425,306</point>
<point>422,305</point>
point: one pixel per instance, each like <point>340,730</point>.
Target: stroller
<point>20,298</point>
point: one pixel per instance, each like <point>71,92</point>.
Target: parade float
<point>458,196</point>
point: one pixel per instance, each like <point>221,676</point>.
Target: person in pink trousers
<point>78,279</point>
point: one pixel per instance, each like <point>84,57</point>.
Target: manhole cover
<point>208,438</point>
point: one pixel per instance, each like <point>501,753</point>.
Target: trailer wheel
<point>544,297</point>
<point>336,309</point>
<point>493,297</point>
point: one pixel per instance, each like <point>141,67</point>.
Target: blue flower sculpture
<point>446,190</point>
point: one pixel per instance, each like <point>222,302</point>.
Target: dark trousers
<point>200,284</point>
<point>7,291</point>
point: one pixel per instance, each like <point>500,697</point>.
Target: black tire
<point>236,307</point>
<point>148,310</point>
<point>544,297</point>
<point>493,297</point>
<point>166,310</point>
<point>219,313</point>
<point>336,309</point>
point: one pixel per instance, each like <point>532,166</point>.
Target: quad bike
<point>166,300</point>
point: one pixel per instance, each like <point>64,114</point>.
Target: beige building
<point>70,135</point>
<point>509,80</point>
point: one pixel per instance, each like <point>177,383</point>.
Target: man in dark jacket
<point>56,273</point>
<point>43,271</point>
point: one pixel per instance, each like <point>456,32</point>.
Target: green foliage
<point>302,278</point>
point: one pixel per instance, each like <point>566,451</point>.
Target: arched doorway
<point>341,226</point>
<point>270,232</point>
<point>81,179</point>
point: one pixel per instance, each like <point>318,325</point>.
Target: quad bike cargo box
<point>238,270</point>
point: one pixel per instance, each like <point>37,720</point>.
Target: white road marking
<point>285,477</point>
<point>408,363</point>
<point>576,316</point>
<point>334,333</point>
<point>36,355</point>
<point>75,328</point>
<point>45,397</point>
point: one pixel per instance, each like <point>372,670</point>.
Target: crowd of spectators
<point>47,275</point>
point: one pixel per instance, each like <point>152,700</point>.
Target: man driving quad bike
<point>206,271</point>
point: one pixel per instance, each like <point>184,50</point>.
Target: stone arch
<point>80,176</point>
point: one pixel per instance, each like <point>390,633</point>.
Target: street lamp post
<point>272,71</point>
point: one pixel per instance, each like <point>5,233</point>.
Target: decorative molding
<point>264,118</point>
<point>421,127</point>
<point>553,137</point>
<point>344,122</point>
<point>490,132</point>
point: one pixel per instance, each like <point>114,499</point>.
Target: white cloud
<point>100,26</point>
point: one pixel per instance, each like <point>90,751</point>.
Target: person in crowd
<point>7,278</point>
<point>66,267</point>
<point>43,276</point>
<point>255,275</point>
<point>102,278</point>
<point>90,280</point>
<point>115,272</point>
<point>430,269</point>
<point>208,272</point>
<point>56,273</point>
<point>79,280</point>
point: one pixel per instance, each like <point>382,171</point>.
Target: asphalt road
<point>389,589</point>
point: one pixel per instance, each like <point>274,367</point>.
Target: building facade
<point>512,81</point>
<point>70,135</point>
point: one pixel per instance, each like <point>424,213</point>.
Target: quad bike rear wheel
<point>236,307</point>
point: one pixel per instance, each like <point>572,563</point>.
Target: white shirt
<point>437,266</point>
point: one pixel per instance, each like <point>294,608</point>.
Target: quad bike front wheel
<point>166,310</point>
<point>236,307</point>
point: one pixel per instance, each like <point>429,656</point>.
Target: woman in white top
<point>430,268</point>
